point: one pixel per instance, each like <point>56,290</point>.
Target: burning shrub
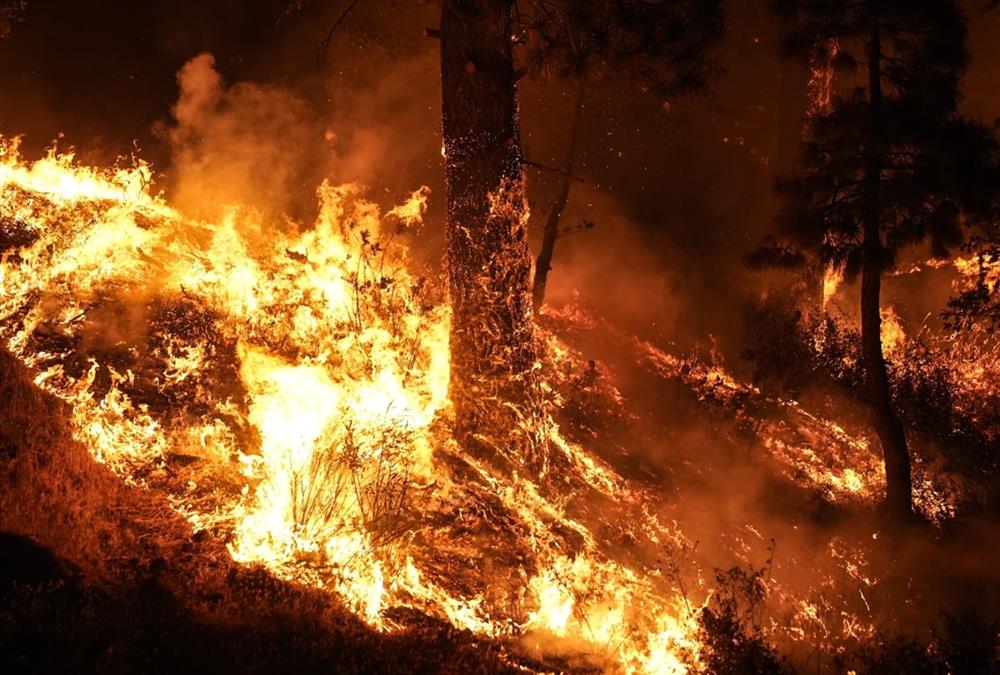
<point>320,495</point>
<point>381,479</point>
<point>356,477</point>
<point>357,481</point>
<point>732,640</point>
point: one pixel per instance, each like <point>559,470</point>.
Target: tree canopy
<point>664,46</point>
<point>939,168</point>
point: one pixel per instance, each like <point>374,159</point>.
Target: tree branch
<point>321,55</point>
<point>546,167</point>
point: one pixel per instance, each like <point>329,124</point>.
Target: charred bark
<point>493,381</point>
<point>898,493</point>
<point>543,264</point>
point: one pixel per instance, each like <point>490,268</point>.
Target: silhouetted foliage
<point>664,47</point>
<point>732,641</point>
<point>888,163</point>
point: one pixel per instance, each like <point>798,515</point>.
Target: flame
<point>893,335</point>
<point>833,276</point>
<point>305,368</point>
<point>821,76</point>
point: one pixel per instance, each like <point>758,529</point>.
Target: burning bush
<point>937,382</point>
<point>732,640</point>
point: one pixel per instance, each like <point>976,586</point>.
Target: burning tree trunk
<point>544,262</point>
<point>898,499</point>
<point>489,267</point>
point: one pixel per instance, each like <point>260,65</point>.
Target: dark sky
<point>677,196</point>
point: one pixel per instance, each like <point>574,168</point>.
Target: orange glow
<point>323,445</point>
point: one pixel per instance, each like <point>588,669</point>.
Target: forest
<point>489,336</point>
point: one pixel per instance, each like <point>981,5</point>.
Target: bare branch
<point>546,167</point>
<point>321,55</point>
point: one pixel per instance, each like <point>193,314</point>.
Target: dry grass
<point>151,596</point>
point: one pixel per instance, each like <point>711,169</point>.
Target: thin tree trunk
<point>544,262</point>
<point>898,497</point>
<point>489,265</point>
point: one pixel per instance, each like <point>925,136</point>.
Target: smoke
<point>245,143</point>
<point>387,121</point>
<point>269,146</point>
<point>603,261</point>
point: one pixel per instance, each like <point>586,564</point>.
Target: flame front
<point>301,374</point>
<point>286,386</point>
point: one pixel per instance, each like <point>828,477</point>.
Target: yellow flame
<point>893,335</point>
<point>317,367</point>
<point>833,276</point>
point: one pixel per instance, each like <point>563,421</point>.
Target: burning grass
<point>284,389</point>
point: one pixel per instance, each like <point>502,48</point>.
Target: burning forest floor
<point>235,438</point>
<point>123,585</point>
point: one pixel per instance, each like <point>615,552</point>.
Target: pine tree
<point>891,163</point>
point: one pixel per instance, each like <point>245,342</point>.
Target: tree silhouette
<point>664,48</point>
<point>889,164</point>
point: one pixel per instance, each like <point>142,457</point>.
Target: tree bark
<point>898,493</point>
<point>543,264</point>
<point>493,381</point>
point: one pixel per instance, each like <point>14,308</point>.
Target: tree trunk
<point>898,493</point>
<point>544,262</point>
<point>493,381</point>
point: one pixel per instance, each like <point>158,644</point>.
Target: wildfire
<point>833,276</point>
<point>893,335</point>
<point>286,386</point>
<point>303,371</point>
<point>821,78</point>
